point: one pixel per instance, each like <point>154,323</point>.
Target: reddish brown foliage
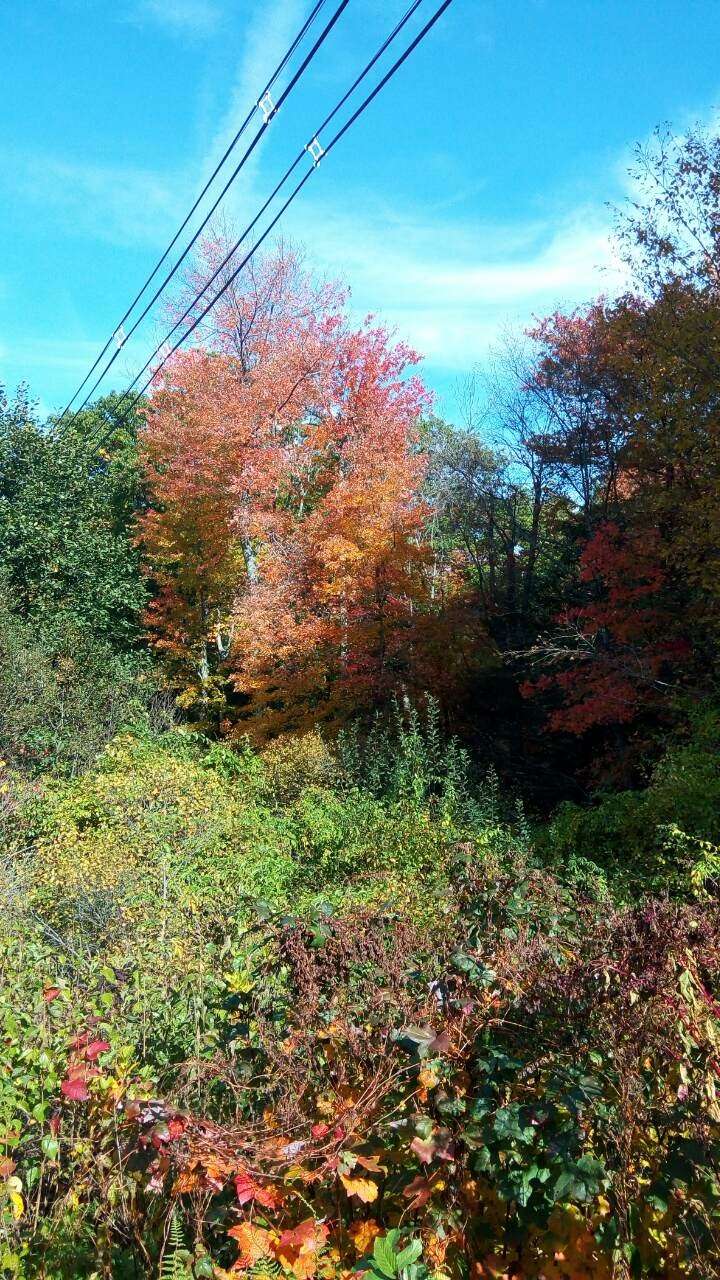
<point>286,521</point>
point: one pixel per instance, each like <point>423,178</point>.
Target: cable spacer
<point>120,337</point>
<point>315,151</point>
<point>267,106</point>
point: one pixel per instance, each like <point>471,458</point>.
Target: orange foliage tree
<point>285,529</point>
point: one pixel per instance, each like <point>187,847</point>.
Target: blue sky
<point>472,196</point>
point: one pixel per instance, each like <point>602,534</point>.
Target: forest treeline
<point>362,803</point>
<point>299,541</point>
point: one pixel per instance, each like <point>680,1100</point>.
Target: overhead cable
<point>392,71</point>
<point>269,110</point>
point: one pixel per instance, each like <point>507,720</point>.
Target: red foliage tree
<point>286,524</point>
<point>619,649</point>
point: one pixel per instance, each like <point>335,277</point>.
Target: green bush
<point>651,840</point>
<point>171,833</point>
<point>525,1075</point>
<point>64,694</point>
<point>158,838</point>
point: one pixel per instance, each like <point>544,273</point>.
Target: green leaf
<point>408,1255</point>
<point>384,1256</point>
<point>416,1040</point>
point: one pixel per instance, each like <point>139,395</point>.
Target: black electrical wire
<point>301,69</point>
<point>295,192</point>
<point>248,152</point>
<point>230,148</point>
<point>288,173</point>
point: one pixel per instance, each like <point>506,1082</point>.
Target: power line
<point>288,173</point>
<point>269,109</point>
<point>269,113</point>
<point>293,195</point>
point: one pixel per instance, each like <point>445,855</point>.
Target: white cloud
<point>452,289</point>
<point>184,17</point>
<point>450,284</point>
<point>58,354</point>
<point>122,205</point>
<point>268,34</point>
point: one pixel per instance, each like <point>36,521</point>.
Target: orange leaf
<point>363,1188</point>
<point>297,1250</point>
<point>253,1243</point>
<point>371,1164</point>
<point>362,1235</point>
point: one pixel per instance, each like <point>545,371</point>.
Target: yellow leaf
<point>362,1235</point>
<point>428,1078</point>
<point>17,1205</point>
<point>363,1188</point>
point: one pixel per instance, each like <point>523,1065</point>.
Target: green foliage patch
<point>660,839</point>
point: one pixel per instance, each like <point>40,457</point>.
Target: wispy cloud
<point>119,204</point>
<point>447,281</point>
<point>268,33</point>
<point>452,288</point>
<point>183,17</point>
<point>59,354</point>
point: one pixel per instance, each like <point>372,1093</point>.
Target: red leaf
<point>50,993</point>
<point>418,1191</point>
<point>320,1130</point>
<point>440,1044</point>
<point>82,1071</point>
<point>95,1048</point>
<point>177,1126</point>
<point>245,1188</point>
<point>76,1090</point>
<point>248,1189</point>
<point>423,1150</point>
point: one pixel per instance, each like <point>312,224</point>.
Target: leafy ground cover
<point>267,1015</point>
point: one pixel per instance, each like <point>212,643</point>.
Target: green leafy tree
<point>68,497</point>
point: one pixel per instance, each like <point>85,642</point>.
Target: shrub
<point>158,838</point>
<point>293,764</point>
<point>525,1085</point>
<point>172,830</point>
<point>254,1022</point>
<point>652,840</point>
<point>64,695</point>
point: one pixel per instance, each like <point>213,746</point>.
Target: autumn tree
<point>666,342</point>
<point>615,654</point>
<point>286,523</point>
<point>576,384</point>
<point>649,360</point>
<point>499,497</point>
<point>486,511</point>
